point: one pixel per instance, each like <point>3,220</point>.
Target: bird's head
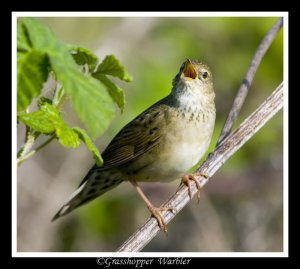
<point>194,75</point>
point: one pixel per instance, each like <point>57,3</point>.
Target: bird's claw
<point>191,177</point>
<point>155,211</point>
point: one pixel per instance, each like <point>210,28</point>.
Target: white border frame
<point>15,15</point>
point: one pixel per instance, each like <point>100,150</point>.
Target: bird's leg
<point>191,177</point>
<point>155,211</point>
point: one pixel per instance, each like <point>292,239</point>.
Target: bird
<point>160,145</point>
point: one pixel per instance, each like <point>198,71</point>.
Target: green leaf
<point>112,66</point>
<point>89,143</point>
<point>43,120</point>
<point>38,120</point>
<point>48,120</point>
<point>23,42</point>
<point>66,136</point>
<point>84,56</point>
<point>32,72</point>
<point>114,91</point>
<point>88,97</point>
<point>40,36</point>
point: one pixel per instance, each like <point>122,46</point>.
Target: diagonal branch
<point>215,160</point>
<point>226,146</point>
<point>244,88</point>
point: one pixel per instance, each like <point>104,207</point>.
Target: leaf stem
<point>61,101</point>
<point>59,96</point>
<point>28,155</point>
<point>30,137</point>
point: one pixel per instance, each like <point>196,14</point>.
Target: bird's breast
<point>184,140</point>
<point>188,140</point>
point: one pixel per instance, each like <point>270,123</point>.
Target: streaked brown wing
<point>136,138</point>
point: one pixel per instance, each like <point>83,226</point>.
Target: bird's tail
<point>93,185</point>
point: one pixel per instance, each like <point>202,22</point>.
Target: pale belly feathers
<point>181,148</point>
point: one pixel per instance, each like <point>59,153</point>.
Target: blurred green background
<point>241,208</point>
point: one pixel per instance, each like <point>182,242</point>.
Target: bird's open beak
<point>189,70</point>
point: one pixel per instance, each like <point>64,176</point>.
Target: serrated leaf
<point>38,120</point>
<point>115,92</point>
<point>48,120</point>
<point>90,145</point>
<point>32,72</point>
<point>84,56</point>
<point>44,120</point>
<point>51,111</point>
<point>112,66</point>
<point>40,36</point>
<point>88,97</point>
<point>67,137</point>
<point>23,42</point>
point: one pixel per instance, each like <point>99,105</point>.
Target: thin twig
<point>243,90</point>
<point>20,152</point>
<point>28,155</point>
<point>30,138</point>
<point>214,161</point>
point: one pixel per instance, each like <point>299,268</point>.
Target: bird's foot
<point>155,211</point>
<point>186,179</point>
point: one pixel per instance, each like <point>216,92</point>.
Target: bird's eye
<point>205,75</point>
